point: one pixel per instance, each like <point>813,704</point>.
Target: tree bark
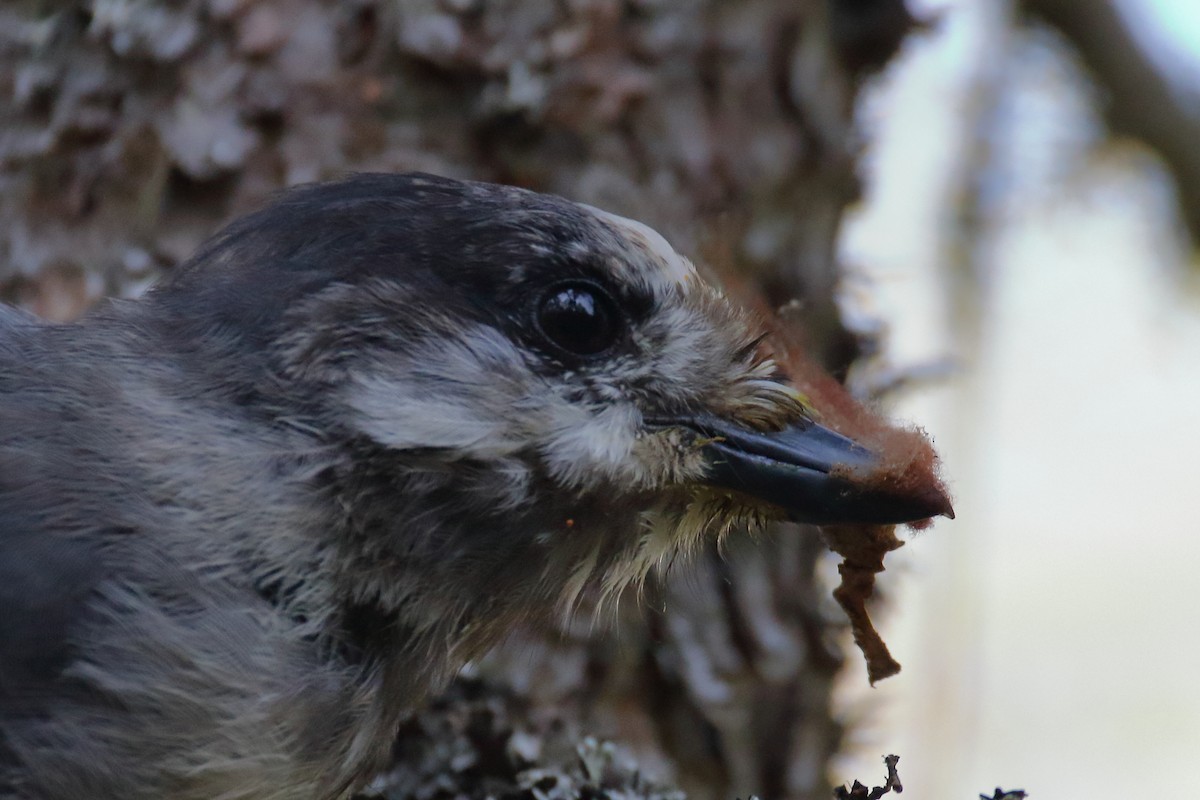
<point>133,128</point>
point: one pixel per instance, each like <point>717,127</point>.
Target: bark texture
<point>132,128</point>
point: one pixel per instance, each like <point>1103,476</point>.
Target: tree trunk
<point>135,127</point>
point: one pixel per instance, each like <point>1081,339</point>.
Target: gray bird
<point>250,520</point>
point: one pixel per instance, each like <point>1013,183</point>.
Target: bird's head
<point>513,372</point>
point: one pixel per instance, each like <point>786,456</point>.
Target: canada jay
<point>248,521</point>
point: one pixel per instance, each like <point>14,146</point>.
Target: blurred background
<point>1051,634</point>
<point>987,209</point>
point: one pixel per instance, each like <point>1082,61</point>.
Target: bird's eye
<point>579,318</point>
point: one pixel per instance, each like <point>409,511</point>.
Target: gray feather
<point>250,521</point>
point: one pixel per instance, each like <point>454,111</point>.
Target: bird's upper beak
<point>812,473</point>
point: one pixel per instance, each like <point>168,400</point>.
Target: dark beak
<point>814,474</point>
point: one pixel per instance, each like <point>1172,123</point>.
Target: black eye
<point>579,318</point>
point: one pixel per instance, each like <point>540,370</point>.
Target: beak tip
<point>938,504</point>
<point>916,509</point>
<point>942,505</point>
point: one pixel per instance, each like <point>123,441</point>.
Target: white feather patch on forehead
<point>676,269</point>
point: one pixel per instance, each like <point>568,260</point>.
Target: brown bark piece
<point>862,548</point>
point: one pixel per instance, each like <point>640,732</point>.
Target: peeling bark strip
<point>134,128</point>
<point>862,549</point>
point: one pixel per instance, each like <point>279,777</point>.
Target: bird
<point>252,519</point>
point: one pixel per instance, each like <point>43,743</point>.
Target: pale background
<point>1051,634</point>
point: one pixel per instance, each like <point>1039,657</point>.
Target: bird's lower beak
<point>812,473</point>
